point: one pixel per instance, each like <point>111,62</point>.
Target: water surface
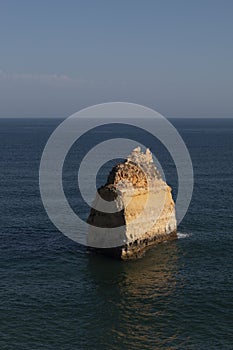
<point>54,295</point>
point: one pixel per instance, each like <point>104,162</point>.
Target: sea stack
<point>133,211</point>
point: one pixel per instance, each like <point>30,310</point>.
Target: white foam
<point>181,235</point>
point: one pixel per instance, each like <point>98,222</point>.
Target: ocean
<point>56,295</point>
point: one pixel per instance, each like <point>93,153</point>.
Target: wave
<point>181,235</point>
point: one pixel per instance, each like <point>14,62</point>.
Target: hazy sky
<point>59,56</point>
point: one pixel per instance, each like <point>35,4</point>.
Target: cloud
<point>59,80</point>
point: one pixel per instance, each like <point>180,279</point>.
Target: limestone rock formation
<point>134,210</point>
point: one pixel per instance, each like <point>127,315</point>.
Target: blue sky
<point>172,55</point>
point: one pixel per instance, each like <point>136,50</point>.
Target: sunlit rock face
<point>133,211</point>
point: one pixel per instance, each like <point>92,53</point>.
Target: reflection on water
<point>139,299</point>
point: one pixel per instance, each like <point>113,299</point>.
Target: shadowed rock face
<point>133,211</point>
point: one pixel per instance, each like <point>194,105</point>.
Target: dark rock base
<point>136,249</point>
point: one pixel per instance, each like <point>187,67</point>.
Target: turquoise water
<point>54,295</point>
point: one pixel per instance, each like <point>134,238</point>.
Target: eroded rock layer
<point>133,211</point>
